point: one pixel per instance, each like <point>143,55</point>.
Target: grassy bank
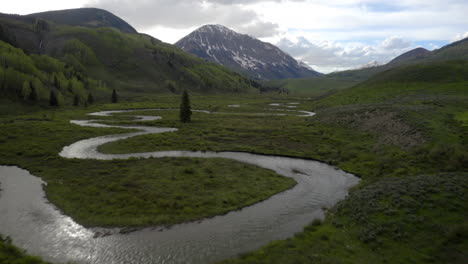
<point>10,254</point>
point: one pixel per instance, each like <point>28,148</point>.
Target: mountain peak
<point>243,53</point>
<point>87,17</point>
<point>215,28</point>
<point>416,53</point>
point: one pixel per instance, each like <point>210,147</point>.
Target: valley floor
<point>410,206</point>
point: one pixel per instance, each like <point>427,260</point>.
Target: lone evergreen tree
<point>56,82</point>
<point>33,94</point>
<point>185,112</point>
<point>90,99</point>
<point>76,100</point>
<point>53,99</point>
<point>114,97</point>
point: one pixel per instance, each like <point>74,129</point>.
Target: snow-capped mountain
<point>244,54</point>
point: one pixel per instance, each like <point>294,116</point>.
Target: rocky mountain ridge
<point>243,53</point>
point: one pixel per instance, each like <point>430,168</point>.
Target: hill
<point>243,53</point>
<point>401,83</point>
<point>418,53</point>
<point>87,17</point>
<point>32,78</point>
<point>345,79</point>
<point>132,63</point>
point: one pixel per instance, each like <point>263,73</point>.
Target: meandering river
<point>37,226</point>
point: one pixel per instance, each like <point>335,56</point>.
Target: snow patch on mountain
<point>243,53</point>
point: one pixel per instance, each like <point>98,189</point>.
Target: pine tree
<point>114,97</point>
<point>56,82</point>
<point>33,94</point>
<point>25,91</point>
<point>76,100</point>
<point>70,87</point>
<point>185,112</point>
<point>53,99</point>
<point>90,99</point>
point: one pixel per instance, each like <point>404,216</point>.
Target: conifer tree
<point>90,99</point>
<point>185,111</point>
<point>56,82</point>
<point>32,94</point>
<point>53,99</point>
<point>76,100</point>
<point>114,97</point>
<point>70,87</point>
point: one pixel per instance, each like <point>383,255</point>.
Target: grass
<point>314,86</point>
<point>10,254</point>
<point>150,192</point>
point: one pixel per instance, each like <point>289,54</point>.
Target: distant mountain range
<point>243,53</point>
<point>457,51</point>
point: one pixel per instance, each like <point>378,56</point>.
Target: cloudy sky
<point>328,35</point>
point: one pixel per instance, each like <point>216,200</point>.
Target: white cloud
<point>460,36</point>
<point>395,42</point>
<point>24,7</point>
<point>328,56</point>
<point>183,14</point>
<point>260,29</point>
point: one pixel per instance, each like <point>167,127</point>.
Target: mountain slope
<point>454,51</point>
<point>88,17</point>
<point>131,63</point>
<point>243,53</point>
<point>423,82</point>
<point>418,53</point>
<point>345,79</point>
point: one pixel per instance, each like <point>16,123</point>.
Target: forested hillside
<point>35,78</point>
<point>79,60</point>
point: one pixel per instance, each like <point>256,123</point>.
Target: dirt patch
<point>388,125</point>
